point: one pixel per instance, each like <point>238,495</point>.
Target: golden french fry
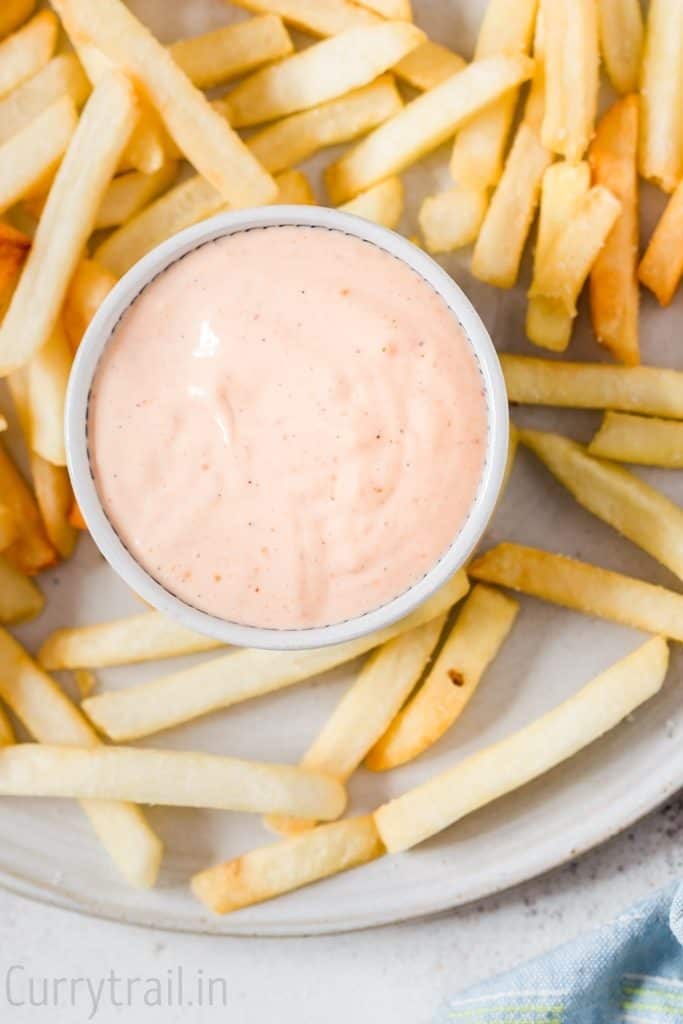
<point>661,128</point>
<point>31,551</point>
<point>571,74</point>
<point>513,445</point>
<point>55,499</point>
<point>63,76</point>
<point>320,73</point>
<point>613,494</point>
<point>479,147</point>
<point>145,637</point>
<point>88,288</point>
<point>232,50</point>
<point>494,771</point>
<point>85,681</point>
<point>400,9</point>
<point>564,188</point>
<point>33,154</point>
<point>505,228</point>
<point>571,255</point>
<point>14,248</point>
<point>48,376</point>
<point>9,530</point>
<point>51,717</point>
<point>641,389</point>
<point>614,277</point>
<point>428,65</point>
<point>382,203</point>
<point>76,517</point>
<point>186,204</point>
<point>273,870</point>
<point>583,587</point>
<point>366,710</point>
<point>20,598</point>
<point>67,220</point>
<point>13,13</point>
<point>483,623</point>
<point>296,138</point>
<point>424,124</point>
<point>199,131</point>
<point>242,675</point>
<point>312,16</point>
<point>168,777</point>
<point>129,193</point>
<point>621,42</point>
<point>295,188</point>
<point>452,220</point>
<point>27,51</point>
<point>6,731</point>
<point>661,267</point>
<point>641,439</point>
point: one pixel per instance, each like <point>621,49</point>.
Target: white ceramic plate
<point>47,851</point>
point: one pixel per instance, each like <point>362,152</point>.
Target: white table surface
<point>397,973</point>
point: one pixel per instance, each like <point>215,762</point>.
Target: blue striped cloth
<point>629,972</point>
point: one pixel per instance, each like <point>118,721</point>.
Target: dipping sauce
<point>288,427</point>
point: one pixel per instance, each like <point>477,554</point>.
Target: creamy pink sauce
<point>288,427</point>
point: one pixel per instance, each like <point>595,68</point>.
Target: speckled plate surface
<point>48,853</point>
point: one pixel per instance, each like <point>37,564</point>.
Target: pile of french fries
<point>108,146</point>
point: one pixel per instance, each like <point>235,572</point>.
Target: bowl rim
<point>100,331</point>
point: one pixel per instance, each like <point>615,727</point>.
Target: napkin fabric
<point>629,972</point>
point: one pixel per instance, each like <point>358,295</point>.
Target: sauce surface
<point>288,427</point>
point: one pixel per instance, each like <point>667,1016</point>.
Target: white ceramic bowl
<point>97,336</point>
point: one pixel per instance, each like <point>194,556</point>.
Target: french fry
<point>320,73</point>
<point>34,153</point>
<point>242,675</point>
<point>451,220</point>
<point>639,512</point>
<point>6,731</point>
<point>572,58</point>
<point>76,517</point>
<point>129,193</point>
<point>20,598</point>
<point>170,778</point>
<point>485,619</point>
<point>312,16</point>
<point>14,248</point>
<point>13,13</point>
<point>640,439</point>
<point>506,225</point>
<point>88,288</point>
<point>479,147</point>
<point>51,717</point>
<point>366,710</point>
<point>31,551</point>
<point>494,771</point>
<point>27,51</point>
<point>571,255</point>
<point>424,124</point>
<point>9,530</point>
<point>296,138</point>
<point>68,219</point>
<point>620,25</point>
<point>614,277</point>
<point>63,76</point>
<point>230,51</point>
<point>55,499</point>
<point>85,681</point>
<point>400,9</point>
<point>513,445</point>
<point>661,129</point>
<point>273,870</point>
<point>199,131</point>
<point>583,588</point>
<point>295,188</point>
<point>641,389</point>
<point>48,376</point>
<point>661,267</point>
<point>145,637</point>
<point>428,65</point>
<point>186,204</point>
<point>381,203</point>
